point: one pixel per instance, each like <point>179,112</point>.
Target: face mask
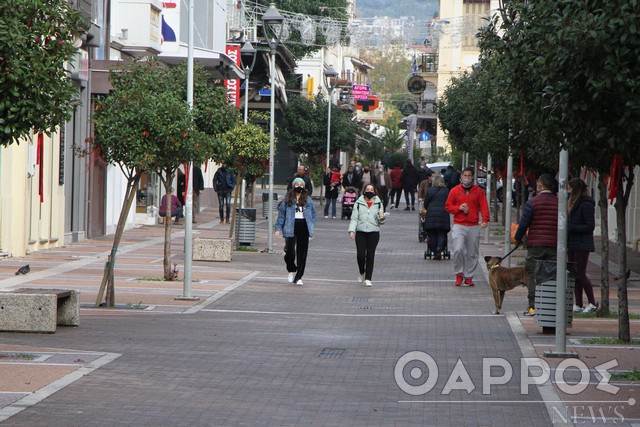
<point>380,170</point>
<point>466,181</point>
<point>298,189</point>
<point>369,194</point>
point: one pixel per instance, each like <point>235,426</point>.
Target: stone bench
<point>39,310</point>
<point>209,249</point>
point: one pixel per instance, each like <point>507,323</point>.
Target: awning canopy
<point>217,63</point>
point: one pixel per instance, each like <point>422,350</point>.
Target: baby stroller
<point>348,201</point>
<point>445,253</point>
<point>422,234</point>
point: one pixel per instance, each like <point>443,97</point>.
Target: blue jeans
<point>331,201</point>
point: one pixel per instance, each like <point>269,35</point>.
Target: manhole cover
<point>331,353</point>
<point>360,299</point>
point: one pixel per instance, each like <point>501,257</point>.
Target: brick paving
<point>270,353</point>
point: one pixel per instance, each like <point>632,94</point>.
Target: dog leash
<point>512,250</point>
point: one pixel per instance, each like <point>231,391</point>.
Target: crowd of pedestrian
<point>453,208</point>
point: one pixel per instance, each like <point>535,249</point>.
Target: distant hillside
<point>419,9</point>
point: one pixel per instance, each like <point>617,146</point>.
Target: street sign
<point>369,104</point>
<point>360,92</point>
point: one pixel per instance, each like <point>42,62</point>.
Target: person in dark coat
<point>580,228</point>
<point>451,177</point>
<point>410,184</point>
<point>437,222</point>
<point>351,179</point>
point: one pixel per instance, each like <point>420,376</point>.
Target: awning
<point>279,82</point>
<point>217,63</point>
<point>360,63</point>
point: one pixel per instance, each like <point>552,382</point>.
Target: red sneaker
<point>469,282</point>
<point>458,279</point>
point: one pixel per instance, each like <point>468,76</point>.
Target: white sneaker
<point>327,216</point>
<point>299,283</point>
<point>333,217</point>
<point>360,278</point>
<point>590,308</point>
<point>290,277</point>
<point>367,283</point>
<point>577,309</point>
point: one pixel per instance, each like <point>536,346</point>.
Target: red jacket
<point>396,178</point>
<point>475,198</point>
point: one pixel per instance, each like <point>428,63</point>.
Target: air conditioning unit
<point>137,30</point>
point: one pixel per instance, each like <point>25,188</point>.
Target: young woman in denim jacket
<point>296,222</point>
<point>368,214</point>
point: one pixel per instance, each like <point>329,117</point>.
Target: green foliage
<point>144,128</point>
<point>391,69</point>
<point>318,9</point>
<point>304,127</point>
<point>36,40</point>
<point>247,149</point>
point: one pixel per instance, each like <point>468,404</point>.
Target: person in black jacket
<point>437,222</point>
<point>410,184</point>
<point>580,228</point>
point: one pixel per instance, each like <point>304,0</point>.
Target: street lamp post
<point>273,23</point>
<point>247,56</point>
<point>330,76</point>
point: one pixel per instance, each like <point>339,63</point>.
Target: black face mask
<point>369,194</point>
<point>298,189</point>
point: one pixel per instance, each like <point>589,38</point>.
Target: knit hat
<point>297,180</point>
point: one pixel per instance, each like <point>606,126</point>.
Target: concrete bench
<point>205,249</point>
<point>39,310</point>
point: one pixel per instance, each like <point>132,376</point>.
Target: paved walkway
<point>255,350</point>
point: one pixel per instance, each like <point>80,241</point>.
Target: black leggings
<point>297,247</point>
<point>366,244</point>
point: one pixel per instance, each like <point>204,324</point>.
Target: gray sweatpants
<point>466,245</point>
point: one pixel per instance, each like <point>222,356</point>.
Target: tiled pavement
<point>269,353</point>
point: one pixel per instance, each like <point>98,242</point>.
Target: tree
<point>248,152</point>
<point>304,127</point>
<point>572,64</point>
<point>391,68</point>
<point>36,40</point>
<point>140,128</point>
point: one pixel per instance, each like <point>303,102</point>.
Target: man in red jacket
<point>467,203</point>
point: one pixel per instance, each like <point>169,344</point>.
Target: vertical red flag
<point>233,85</point>
<point>40,163</point>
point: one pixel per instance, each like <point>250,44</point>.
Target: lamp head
<point>330,75</point>
<point>273,22</point>
<point>248,56</point>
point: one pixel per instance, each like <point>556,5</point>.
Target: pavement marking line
<point>59,384</point>
<point>198,307</point>
<point>294,313</point>
<point>547,391</point>
<point>349,281</point>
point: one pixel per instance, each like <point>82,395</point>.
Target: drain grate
<point>360,299</point>
<point>331,353</point>
<point>371,307</point>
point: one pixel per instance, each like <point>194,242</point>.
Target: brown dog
<point>503,279</point>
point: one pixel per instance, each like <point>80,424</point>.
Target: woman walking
<point>580,228</point>
<point>296,222</point>
<point>367,217</point>
<point>437,222</point>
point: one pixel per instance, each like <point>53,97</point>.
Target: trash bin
<point>265,204</point>
<point>545,297</point>
<point>246,226</point>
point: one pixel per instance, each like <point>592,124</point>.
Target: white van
<point>437,167</point>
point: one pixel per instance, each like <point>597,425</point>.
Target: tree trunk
<point>622,198</point>
<point>108,277</point>
<point>236,194</point>
<point>604,231</point>
<point>166,259</point>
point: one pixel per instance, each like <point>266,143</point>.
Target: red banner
<point>233,86</point>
